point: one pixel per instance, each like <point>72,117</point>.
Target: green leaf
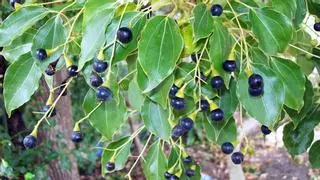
<point>267,108</point>
<point>220,132</point>
<point>51,35</point>
<point>155,162</point>
<point>20,82</point>
<point>229,100</point>
<point>314,156</point>
<point>20,46</point>
<point>19,22</point>
<point>298,140</point>
<point>203,22</point>
<point>132,20</point>
<point>239,8</point>
<point>308,99</point>
<point>110,115</point>
<point>156,119</point>
<point>94,33</point>
<point>314,7</point>
<point>159,49</point>
<point>220,46</point>
<point>293,79</point>
<point>287,7</point>
<point>122,149</point>
<point>135,96</point>
<point>273,29</point>
<point>300,13</point>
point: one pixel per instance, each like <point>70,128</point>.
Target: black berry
<point>53,111</point>
<point>229,66</point>
<point>195,57</point>
<point>265,130</point>
<point>30,141</point>
<point>177,131</point>
<point>216,10</point>
<point>95,80</point>
<point>41,54</point>
<point>124,35</point>
<point>186,124</point>
<point>72,70</point>
<point>204,105</point>
<point>50,71</point>
<point>99,66</point>
<point>187,160</point>
<point>217,82</point>
<point>316,26</point>
<point>217,115</point>
<point>167,175</point>
<point>255,81</point>
<point>1,48</point>
<point>237,158</point>
<point>173,91</point>
<point>76,136</point>
<point>110,166</point>
<point>190,172</point>
<point>227,148</point>
<point>178,103</point>
<point>256,91</point>
<point>103,93</point>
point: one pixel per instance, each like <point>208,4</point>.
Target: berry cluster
<point>236,157</point>
<point>175,173</point>
<point>184,126</point>
<point>255,85</point>
<point>177,97</point>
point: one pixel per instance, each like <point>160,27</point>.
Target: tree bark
<point>63,126</point>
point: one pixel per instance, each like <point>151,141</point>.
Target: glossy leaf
<point>124,145</point>
<point>189,45</point>
<point>239,8</point>
<point>298,140</point>
<point>314,156</point>
<point>272,29</point>
<point>300,13</point>
<point>155,162</point>
<point>308,99</point>
<point>51,35</point>
<point>136,23</point>
<point>203,22</point>
<point>109,117</point>
<point>229,100</point>
<point>20,46</point>
<point>293,79</point>
<point>159,49</point>
<point>267,108</point>
<point>20,82</point>
<point>220,47</point>
<point>287,7</point>
<point>94,34</point>
<point>19,22</point>
<point>220,132</point>
<point>313,7</point>
<point>135,96</point>
<point>156,119</point>
<point>94,7</point>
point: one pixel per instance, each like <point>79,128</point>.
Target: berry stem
<point>89,114</point>
<point>50,98</point>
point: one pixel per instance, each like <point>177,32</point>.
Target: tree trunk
<point>63,127</point>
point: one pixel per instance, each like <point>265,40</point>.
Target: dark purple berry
<point>99,66</point>
<point>265,130</point>
<point>174,177</point>
<point>76,136</point>
<point>72,70</point>
<point>256,91</point>
<point>237,158</point>
<point>186,123</point>
<point>316,26</point>
<point>255,81</point>
<point>178,103</point>
<point>173,91</point>
<point>41,54</point>
<point>53,111</point>
<point>167,175</point>
<point>216,10</point>
<point>124,35</point>
<point>195,57</point>
<point>190,172</point>
<point>187,160</point>
<point>103,93</point>
<point>229,66</point>
<point>217,115</point>
<point>95,80</point>
<point>204,105</point>
<point>110,166</point>
<point>227,148</point>
<point>217,82</point>
<point>30,141</point>
<point>177,131</point>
